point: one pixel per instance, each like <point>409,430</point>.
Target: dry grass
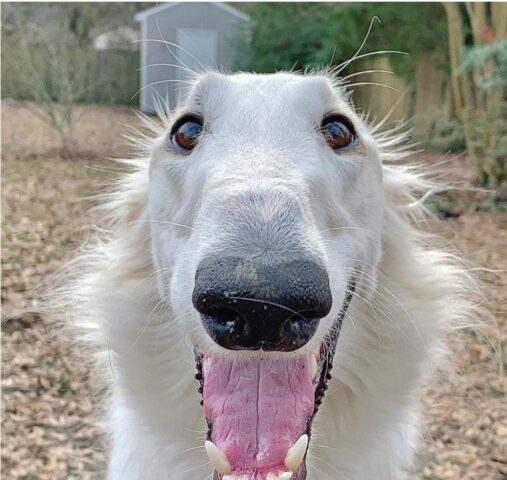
<point>51,428</point>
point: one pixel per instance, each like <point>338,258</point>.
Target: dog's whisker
<point>332,467</point>
<point>328,447</point>
<point>358,84</point>
<point>163,222</point>
<point>161,82</point>
<point>267,302</point>
<point>336,71</point>
<point>342,228</point>
<point>364,72</point>
<point>193,469</point>
<point>186,450</point>
<point>386,316</point>
<point>363,43</point>
<point>391,294</point>
<point>319,470</point>
<point>169,44</point>
<point>173,65</point>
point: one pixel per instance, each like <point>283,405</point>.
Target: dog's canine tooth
<point>229,477</point>
<point>296,453</point>
<point>285,476</point>
<point>272,476</point>
<point>314,366</point>
<point>217,458</point>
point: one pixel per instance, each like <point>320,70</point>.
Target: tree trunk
<point>477,14</point>
<point>461,85</point>
<point>495,99</point>
<point>455,50</point>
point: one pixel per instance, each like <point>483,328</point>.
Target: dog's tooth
<point>314,366</point>
<point>229,477</point>
<point>217,458</point>
<point>296,453</point>
<point>272,476</point>
<point>285,476</point>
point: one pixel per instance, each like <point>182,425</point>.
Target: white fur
<point>131,298</point>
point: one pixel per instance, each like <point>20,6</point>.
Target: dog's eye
<point>338,131</point>
<point>186,132</point>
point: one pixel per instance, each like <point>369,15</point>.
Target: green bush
<point>445,135</point>
<point>289,35</point>
<point>445,205</point>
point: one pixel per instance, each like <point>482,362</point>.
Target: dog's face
<point>266,207</point>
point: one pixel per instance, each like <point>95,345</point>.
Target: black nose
<point>253,304</point>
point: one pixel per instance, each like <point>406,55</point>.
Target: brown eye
<point>338,132</point>
<point>186,132</point>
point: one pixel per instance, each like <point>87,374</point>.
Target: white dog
<point>269,236</point>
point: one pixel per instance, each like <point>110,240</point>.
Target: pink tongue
<point>258,407</point>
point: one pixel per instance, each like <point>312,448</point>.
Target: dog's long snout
<point>254,304</point>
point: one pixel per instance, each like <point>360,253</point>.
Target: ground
<point>51,427</point>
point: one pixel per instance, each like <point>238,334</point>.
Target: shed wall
<point>164,25</point>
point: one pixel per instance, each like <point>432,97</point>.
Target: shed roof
<point>143,15</point>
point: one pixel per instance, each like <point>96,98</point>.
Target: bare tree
<point>53,71</point>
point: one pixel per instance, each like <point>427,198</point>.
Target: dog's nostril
<point>226,319</point>
<point>227,327</point>
<point>225,316</point>
<point>301,325</point>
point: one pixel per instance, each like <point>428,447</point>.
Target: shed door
<point>198,51</point>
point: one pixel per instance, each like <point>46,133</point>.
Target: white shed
<point>200,36</point>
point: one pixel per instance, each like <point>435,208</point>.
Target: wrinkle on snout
<point>263,212</point>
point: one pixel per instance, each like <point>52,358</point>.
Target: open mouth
<point>260,409</point>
